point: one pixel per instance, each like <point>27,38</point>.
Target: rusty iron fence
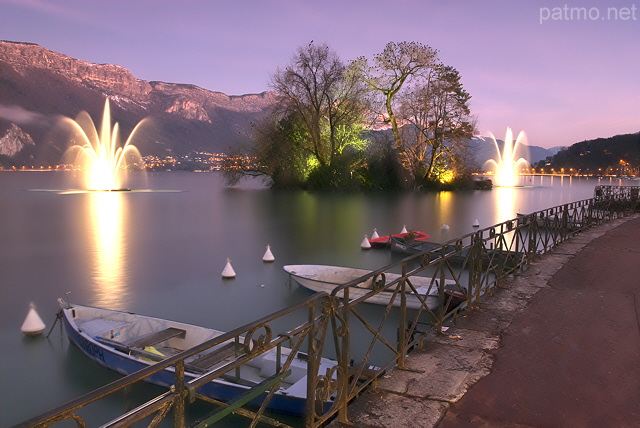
<point>365,340</point>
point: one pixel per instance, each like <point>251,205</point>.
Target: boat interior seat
<point>226,351</point>
<point>157,337</point>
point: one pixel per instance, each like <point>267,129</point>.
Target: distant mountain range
<point>38,86</point>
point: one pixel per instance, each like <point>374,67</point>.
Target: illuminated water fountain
<point>101,158</point>
<point>507,165</point>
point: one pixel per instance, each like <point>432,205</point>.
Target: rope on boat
<point>58,318</point>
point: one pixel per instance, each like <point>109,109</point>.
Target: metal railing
<point>365,340</point>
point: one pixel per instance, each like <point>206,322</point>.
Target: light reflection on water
<point>161,253</point>
<point>506,202</point>
<point>106,235</point>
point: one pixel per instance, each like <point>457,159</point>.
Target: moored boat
<point>505,258</point>
<point>401,245</point>
<point>385,241</point>
<point>326,278</point>
<point>127,342</point>
<point>413,247</point>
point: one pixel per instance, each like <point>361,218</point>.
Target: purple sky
<point>561,75</point>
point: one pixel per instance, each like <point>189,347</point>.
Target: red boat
<point>385,241</point>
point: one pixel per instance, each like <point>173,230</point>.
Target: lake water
<point>159,250</point>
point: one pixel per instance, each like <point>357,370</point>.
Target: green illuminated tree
<point>313,136</point>
<point>320,90</point>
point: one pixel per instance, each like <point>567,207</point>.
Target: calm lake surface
<point>159,250</point>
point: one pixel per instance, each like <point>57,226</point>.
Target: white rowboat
<point>326,278</point>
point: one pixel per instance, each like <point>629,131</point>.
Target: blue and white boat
<point>127,342</point>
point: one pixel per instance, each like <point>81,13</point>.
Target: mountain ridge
<point>36,82</point>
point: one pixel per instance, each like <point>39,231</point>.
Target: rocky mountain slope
<point>39,86</point>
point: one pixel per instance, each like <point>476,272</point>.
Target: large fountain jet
<point>507,168</point>
<point>101,157</point>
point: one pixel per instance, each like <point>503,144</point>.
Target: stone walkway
<point>557,346</point>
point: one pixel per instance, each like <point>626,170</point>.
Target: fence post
<point>402,334</point>
<point>475,267</point>
<point>179,410</point>
<point>312,369</point>
<point>343,359</point>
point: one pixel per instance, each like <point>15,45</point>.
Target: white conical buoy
<point>476,223</point>
<point>445,226</point>
<point>404,229</point>
<point>268,255</point>
<point>33,324</point>
<point>228,271</point>
<point>375,235</point>
<point>365,243</point>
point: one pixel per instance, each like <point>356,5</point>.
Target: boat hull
<point>385,241</point>
<point>218,389</point>
<point>326,278</point>
<point>400,246</point>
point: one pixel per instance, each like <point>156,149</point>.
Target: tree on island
<point>427,108</point>
<point>313,136</point>
<point>399,64</point>
<point>439,117</point>
<point>318,89</point>
<point>319,136</point>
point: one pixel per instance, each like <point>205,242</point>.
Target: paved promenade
<point>558,346</point>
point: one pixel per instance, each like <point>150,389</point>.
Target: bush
<point>340,175</point>
<point>462,182</point>
<point>383,170</point>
